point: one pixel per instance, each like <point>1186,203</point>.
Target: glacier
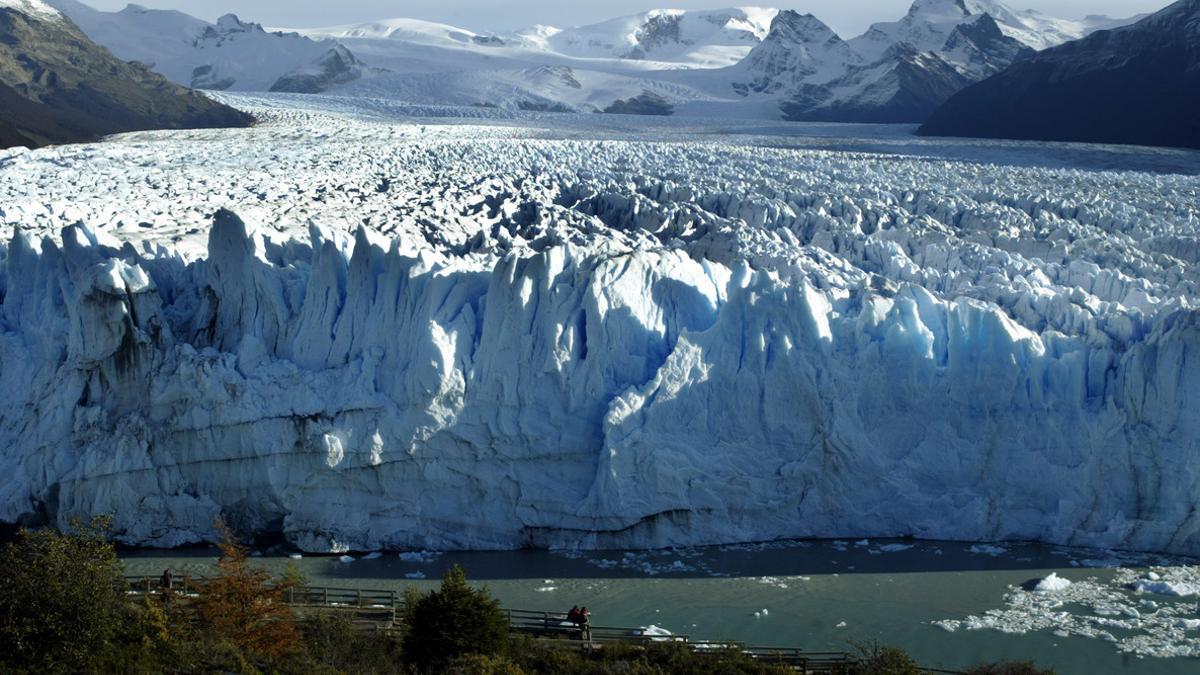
<point>363,331</point>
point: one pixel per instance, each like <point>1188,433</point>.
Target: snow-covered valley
<point>366,330</point>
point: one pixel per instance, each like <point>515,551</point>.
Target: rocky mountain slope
<point>228,55</point>
<point>57,86</point>
<point>1138,84</point>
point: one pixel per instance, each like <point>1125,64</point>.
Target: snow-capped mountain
<point>228,55</point>
<point>58,86</point>
<point>894,73</point>
<point>736,62</point>
<point>798,48</point>
<point>741,62</point>
<point>662,37</point>
<point>901,87</point>
<point>691,38</point>
<point>903,70</point>
<point>1136,84</point>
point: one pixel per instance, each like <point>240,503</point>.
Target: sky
<point>847,17</point>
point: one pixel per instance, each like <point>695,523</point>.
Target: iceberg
<point>1052,583</point>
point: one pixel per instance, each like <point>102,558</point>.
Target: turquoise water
<point>816,595</point>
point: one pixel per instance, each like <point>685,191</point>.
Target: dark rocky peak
<point>58,86</point>
<point>982,48</point>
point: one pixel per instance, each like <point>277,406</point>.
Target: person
<point>166,579</point>
<point>585,623</point>
<point>573,615</point>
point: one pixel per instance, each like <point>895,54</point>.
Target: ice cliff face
<point>554,349</point>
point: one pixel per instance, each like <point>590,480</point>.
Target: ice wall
<point>561,395</point>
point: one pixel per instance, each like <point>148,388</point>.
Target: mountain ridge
<point>56,86</point>
<point>740,61</point>
<point>230,54</point>
<point>1139,84</point>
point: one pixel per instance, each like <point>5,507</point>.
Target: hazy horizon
<point>847,17</point>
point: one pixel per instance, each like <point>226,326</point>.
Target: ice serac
<point>365,397</point>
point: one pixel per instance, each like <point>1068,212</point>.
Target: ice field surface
<point>372,326</point>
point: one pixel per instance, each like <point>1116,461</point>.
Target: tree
<point>453,621</point>
<point>875,659</point>
<point>241,606</point>
<point>292,577</point>
<point>62,597</point>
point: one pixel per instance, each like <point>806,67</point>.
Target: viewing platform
<point>382,610</point>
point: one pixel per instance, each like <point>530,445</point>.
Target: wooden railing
<point>366,606</point>
<point>555,625</point>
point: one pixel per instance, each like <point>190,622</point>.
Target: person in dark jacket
<point>585,622</point>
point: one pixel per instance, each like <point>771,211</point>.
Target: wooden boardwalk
<point>383,611</point>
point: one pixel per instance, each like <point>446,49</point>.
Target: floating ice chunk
<point>895,548</point>
<point>1052,584</point>
<point>346,559</point>
<point>1175,588</point>
<point>656,633</point>
<point>415,575</point>
<point>295,556</point>
<point>987,549</point>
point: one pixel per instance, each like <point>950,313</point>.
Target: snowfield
<point>372,331</point>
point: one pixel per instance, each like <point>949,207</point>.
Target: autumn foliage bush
<point>243,605</point>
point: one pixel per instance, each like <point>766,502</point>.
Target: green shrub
<point>62,598</point>
<point>536,656</point>
<point>677,657</point>
<point>333,642</point>
<point>478,664</point>
<point>454,621</point>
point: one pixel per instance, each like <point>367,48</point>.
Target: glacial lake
<point>816,595</point>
